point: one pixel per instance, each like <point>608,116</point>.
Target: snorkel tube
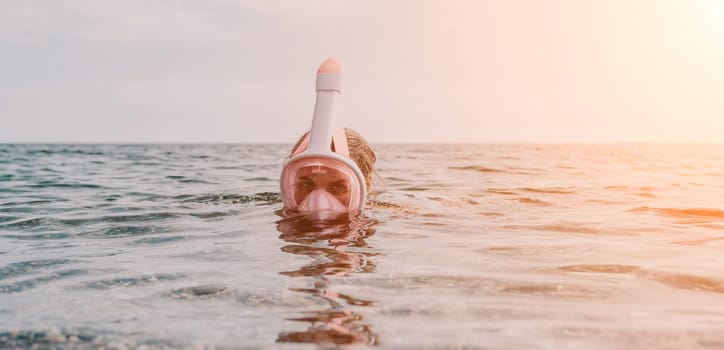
<point>329,84</point>
<point>317,150</point>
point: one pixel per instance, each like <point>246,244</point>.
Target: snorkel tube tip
<point>329,76</point>
<point>330,65</point>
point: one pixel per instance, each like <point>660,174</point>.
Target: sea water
<point>463,246</point>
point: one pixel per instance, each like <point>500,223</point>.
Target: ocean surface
<point>463,246</point>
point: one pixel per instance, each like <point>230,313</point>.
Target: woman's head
<point>312,183</point>
<point>359,151</point>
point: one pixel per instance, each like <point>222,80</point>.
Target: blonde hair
<point>359,151</point>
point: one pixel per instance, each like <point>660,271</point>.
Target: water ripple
<point>268,197</point>
<point>34,282</point>
<point>133,281</point>
<point>54,184</point>
<point>201,292</point>
<point>601,268</point>
<point>684,212</point>
<point>124,231</point>
<point>24,267</point>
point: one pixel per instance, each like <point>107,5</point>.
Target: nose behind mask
<point>320,200</point>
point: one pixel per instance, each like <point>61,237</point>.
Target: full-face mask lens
<point>312,180</point>
<point>314,184</point>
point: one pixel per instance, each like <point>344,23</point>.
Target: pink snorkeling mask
<point>320,176</point>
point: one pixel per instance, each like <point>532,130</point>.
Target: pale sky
<point>415,71</point>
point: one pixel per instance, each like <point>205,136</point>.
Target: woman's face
<point>321,178</point>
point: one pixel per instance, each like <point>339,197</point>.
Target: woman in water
<point>324,183</point>
<point>329,171</point>
<point>322,187</point>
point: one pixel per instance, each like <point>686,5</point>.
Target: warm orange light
<point>707,20</point>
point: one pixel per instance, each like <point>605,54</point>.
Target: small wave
<point>147,164</point>
<point>159,240</point>
<point>526,250</point>
<point>555,290</point>
<point>201,292</point>
<point>630,188</point>
<point>53,150</point>
<point>550,190</point>
<point>478,285</point>
<point>601,268</point>
<point>35,202</point>
<point>140,217</point>
<point>32,223</point>
<point>112,198</point>
<point>464,283</point>
<point>384,204</point>
<point>534,201</point>
<point>686,281</point>
<point>53,338</point>
<point>268,197</point>
<point>525,171</point>
<point>261,178</point>
<point>53,184</point>
<point>684,212</point>
<point>561,227</point>
<point>72,338</point>
<point>12,190</point>
<point>5,218</point>
<point>607,201</point>
<point>500,191</point>
<point>416,188</point>
<point>133,281</point>
<point>23,267</point>
<point>32,283</point>
<point>703,241</point>
<point>455,202</point>
<point>123,231</point>
<point>51,223</point>
<point>120,218</point>
<point>477,168</point>
<point>397,179</point>
<point>50,170</point>
<point>185,179</point>
<point>214,214</point>
<point>39,236</point>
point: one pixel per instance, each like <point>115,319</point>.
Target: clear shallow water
<point>489,246</point>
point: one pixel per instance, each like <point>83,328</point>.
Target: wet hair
<point>359,151</point>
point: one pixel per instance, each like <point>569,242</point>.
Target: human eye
<point>339,188</point>
<point>305,184</point>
